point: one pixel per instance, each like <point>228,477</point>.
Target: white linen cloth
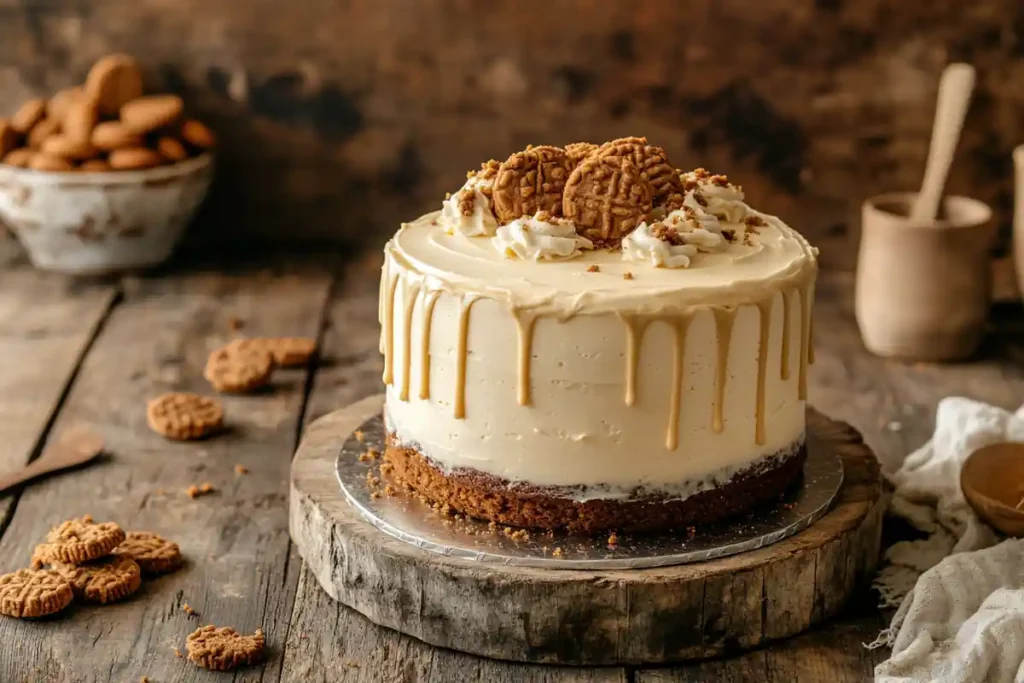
<point>960,596</point>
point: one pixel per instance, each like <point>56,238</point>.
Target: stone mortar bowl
<point>91,223</point>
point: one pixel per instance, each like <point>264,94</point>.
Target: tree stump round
<point>636,616</point>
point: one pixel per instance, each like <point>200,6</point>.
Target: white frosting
<point>532,239</point>
<point>481,222</point>
<point>641,246</point>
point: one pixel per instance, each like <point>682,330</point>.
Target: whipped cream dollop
<point>644,246</point>
<point>469,211</point>
<point>715,195</point>
<point>674,240</point>
<point>540,237</point>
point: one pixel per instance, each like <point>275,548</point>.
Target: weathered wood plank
<point>235,541</point>
<point>46,324</point>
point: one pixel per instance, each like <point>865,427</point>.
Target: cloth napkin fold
<point>960,595</point>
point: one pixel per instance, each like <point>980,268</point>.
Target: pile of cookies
<point>99,563</point>
<point>606,190</point>
<point>241,366</point>
<point>106,124</point>
<point>94,562</point>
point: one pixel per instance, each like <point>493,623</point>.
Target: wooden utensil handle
<point>955,89</point>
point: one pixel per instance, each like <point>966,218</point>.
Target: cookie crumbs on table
<point>241,469</point>
<point>594,269</point>
<point>187,609</point>
<point>360,437</point>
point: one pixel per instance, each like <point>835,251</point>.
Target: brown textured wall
<point>342,117</point>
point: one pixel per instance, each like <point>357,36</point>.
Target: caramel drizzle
<point>381,304</point>
<point>429,299</point>
<point>524,327</point>
<point>810,342</point>
<point>724,318</point>
<point>805,335</point>
<point>635,328</point>
<point>411,294</point>
<point>680,329</point>
<point>765,309</point>
<point>460,357</point>
<point>389,329</point>
<point>784,371</point>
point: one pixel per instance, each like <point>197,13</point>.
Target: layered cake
<point>589,338</point>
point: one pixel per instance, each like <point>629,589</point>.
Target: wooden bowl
<point>992,480</point>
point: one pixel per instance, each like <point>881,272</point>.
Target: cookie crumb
<point>627,275</point>
<point>557,552</point>
<point>241,469</point>
<point>144,679</point>
<point>594,269</point>
<point>390,490</point>
<point>375,495</point>
<point>360,437</point>
<point>350,663</point>
<point>613,540</point>
<point>206,487</point>
<point>187,609</point>
<point>235,324</point>
<point>177,653</point>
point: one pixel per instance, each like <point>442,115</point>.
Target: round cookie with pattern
<point>31,593</point>
<point>666,187</point>
<point>606,197</point>
<point>530,181</point>
<point>153,553</point>
<point>102,581</point>
<point>238,369</point>
<point>78,540</point>
<point>183,416</point>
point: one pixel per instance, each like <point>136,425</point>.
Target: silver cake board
<point>497,596</point>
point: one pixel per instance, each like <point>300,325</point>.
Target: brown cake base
<point>493,499</point>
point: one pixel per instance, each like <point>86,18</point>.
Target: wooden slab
<point>585,617</point>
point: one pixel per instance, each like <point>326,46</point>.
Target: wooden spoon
<point>76,446</point>
<point>955,88</point>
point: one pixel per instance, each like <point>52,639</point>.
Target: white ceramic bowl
<point>91,223</point>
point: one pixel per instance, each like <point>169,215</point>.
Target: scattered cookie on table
<point>30,593</point>
<point>287,352</point>
<point>238,368</point>
<point>153,553</point>
<point>223,649</point>
<point>79,540</point>
<point>184,416</point>
<point>102,581</point>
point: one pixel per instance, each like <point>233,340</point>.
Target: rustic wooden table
<point>94,352</point>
